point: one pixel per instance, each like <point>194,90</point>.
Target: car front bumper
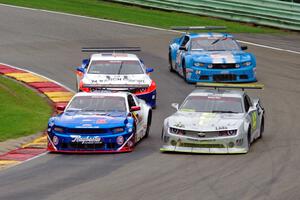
<point>95,144</point>
<point>218,145</point>
<point>243,74</point>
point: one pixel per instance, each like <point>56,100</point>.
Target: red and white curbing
<point>58,95</point>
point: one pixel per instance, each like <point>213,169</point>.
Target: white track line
<point>142,26</point>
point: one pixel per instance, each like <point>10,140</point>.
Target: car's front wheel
<point>249,139</point>
<point>170,63</point>
<point>148,124</point>
<point>184,71</point>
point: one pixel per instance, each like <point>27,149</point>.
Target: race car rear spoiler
<point>242,86</point>
<point>114,86</point>
<point>110,49</point>
<point>193,28</point>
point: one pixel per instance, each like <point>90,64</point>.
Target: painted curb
<point>55,92</point>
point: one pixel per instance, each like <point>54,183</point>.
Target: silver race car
<point>215,120</point>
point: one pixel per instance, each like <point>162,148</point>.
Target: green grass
<point>133,14</point>
<point>23,111</point>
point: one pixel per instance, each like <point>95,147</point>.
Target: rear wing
<point>115,86</point>
<point>193,28</point>
<point>110,49</point>
<point>242,86</point>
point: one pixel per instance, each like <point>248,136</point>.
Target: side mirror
<point>80,69</point>
<point>255,101</point>
<point>244,47</point>
<point>135,108</point>
<point>149,70</point>
<point>85,62</point>
<point>175,105</point>
<point>60,108</point>
<point>183,48</point>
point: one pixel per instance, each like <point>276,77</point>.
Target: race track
<point>50,44</point>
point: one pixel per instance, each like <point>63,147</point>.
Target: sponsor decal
<point>254,119</point>
<point>224,72</point>
<point>86,140</point>
<point>117,79</point>
<point>101,121</point>
<point>206,117</point>
<point>221,127</point>
<point>86,125</point>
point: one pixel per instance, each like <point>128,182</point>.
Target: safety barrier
<point>275,13</point>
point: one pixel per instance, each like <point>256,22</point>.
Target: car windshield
<point>97,104</point>
<point>214,44</point>
<point>115,67</point>
<point>212,104</point>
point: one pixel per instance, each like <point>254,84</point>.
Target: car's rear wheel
<point>148,124</point>
<point>170,63</point>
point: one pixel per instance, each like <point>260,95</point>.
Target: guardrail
<point>275,13</point>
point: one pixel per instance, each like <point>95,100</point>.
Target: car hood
<point>132,80</point>
<point>90,120</point>
<point>205,121</point>
<point>219,57</point>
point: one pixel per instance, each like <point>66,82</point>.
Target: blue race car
<point>99,122</point>
<point>211,57</point>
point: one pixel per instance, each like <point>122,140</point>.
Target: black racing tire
<point>149,120</point>
<point>262,127</point>
<point>77,86</point>
<point>170,63</point>
<point>184,71</point>
<point>249,138</point>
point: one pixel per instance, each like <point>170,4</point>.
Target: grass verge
<point>23,111</point>
<point>133,14</point>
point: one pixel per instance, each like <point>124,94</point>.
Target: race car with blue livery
<point>99,122</point>
<point>113,69</point>
<point>210,57</point>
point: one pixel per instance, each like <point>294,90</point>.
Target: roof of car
<point>114,56</point>
<point>217,92</point>
<point>208,35</point>
<point>102,93</point>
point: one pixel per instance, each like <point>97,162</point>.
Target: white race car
<point>113,69</point>
<point>215,121</point>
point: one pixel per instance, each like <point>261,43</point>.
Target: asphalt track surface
<point>50,44</point>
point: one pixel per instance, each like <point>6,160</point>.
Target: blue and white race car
<point>99,122</point>
<point>211,57</point>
